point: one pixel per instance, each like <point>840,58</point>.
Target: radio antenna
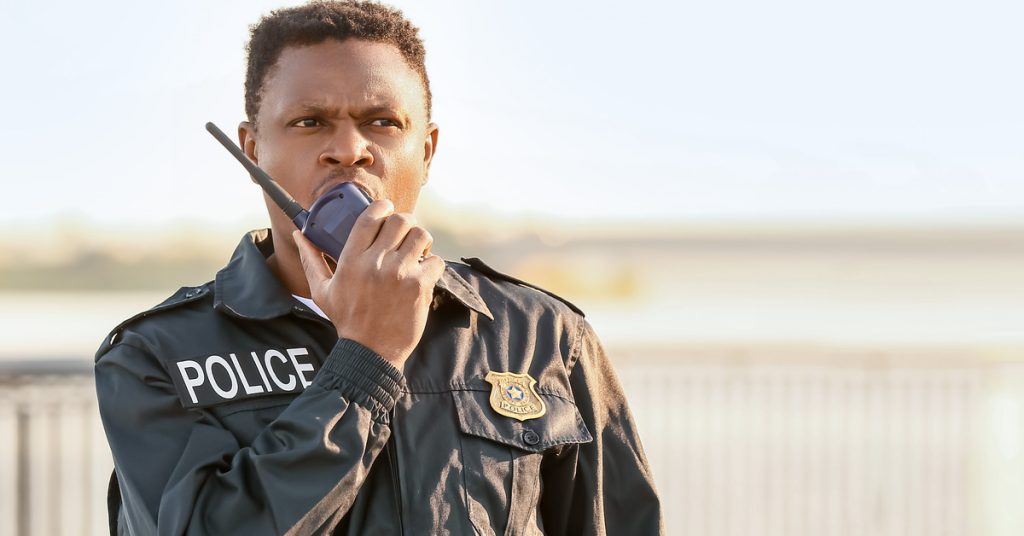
<point>287,203</point>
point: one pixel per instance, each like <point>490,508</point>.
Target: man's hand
<point>380,292</point>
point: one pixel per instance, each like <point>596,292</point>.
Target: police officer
<point>389,393</point>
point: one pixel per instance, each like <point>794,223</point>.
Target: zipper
<point>395,481</point>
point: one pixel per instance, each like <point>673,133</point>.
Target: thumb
<point>313,263</point>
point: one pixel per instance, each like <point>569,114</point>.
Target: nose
<point>347,148</point>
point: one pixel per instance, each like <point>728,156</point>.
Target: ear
<point>429,149</point>
<point>247,141</point>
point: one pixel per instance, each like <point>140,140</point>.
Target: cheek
<point>402,179</point>
<point>268,158</point>
<point>289,167</point>
<point>411,159</point>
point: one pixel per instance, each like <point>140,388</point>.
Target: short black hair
<point>319,21</point>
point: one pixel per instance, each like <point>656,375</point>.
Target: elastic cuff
<point>365,377</point>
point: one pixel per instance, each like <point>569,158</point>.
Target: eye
<point>385,123</point>
<point>307,123</point>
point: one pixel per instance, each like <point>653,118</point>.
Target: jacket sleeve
<point>605,486</point>
<point>181,472</point>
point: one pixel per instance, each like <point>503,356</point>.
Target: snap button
<point>530,437</point>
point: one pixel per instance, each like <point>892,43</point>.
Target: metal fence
<point>54,459</point>
<point>737,448</point>
<point>808,450</point>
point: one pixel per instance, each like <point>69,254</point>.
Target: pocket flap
<point>561,424</point>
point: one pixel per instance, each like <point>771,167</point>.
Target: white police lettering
<point>290,386</point>
<point>191,383</point>
<point>218,360</point>
<point>249,389</point>
<point>300,368</point>
<point>263,374</point>
<point>214,379</point>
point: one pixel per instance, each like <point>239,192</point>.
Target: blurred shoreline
<point>71,254</point>
<point>671,286</point>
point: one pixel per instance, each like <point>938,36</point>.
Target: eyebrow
<point>317,108</point>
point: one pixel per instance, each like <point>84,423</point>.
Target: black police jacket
<point>231,408</point>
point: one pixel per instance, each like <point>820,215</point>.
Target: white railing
<point>54,459</point>
<point>808,450</point>
<point>737,448</point>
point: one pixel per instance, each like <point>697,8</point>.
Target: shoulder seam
<point>176,299</point>
<point>132,346</point>
<point>577,347</point>
<point>480,266</point>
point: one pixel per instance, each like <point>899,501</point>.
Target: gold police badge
<point>512,395</point>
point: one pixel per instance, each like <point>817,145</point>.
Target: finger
<point>367,225</point>
<point>313,263</point>
<point>433,267</point>
<point>393,231</point>
<point>416,244</point>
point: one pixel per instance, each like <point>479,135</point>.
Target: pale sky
<point>681,110</point>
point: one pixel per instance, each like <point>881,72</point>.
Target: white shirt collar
<point>309,303</point>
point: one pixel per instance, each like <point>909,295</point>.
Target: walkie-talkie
<point>328,222</point>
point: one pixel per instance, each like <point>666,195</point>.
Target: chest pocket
<point>501,458</point>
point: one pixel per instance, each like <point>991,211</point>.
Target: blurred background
<point>797,226</point>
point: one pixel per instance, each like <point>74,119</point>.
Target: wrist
<point>395,357</point>
<point>363,376</point>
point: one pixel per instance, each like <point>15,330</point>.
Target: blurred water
<point>67,325</point>
<point>72,325</point>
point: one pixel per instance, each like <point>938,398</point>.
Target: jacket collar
<point>247,288</point>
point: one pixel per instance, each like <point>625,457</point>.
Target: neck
<point>286,265</point>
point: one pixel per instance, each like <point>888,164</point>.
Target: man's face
<point>342,111</point>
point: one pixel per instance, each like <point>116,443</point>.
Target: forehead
<point>346,73</point>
